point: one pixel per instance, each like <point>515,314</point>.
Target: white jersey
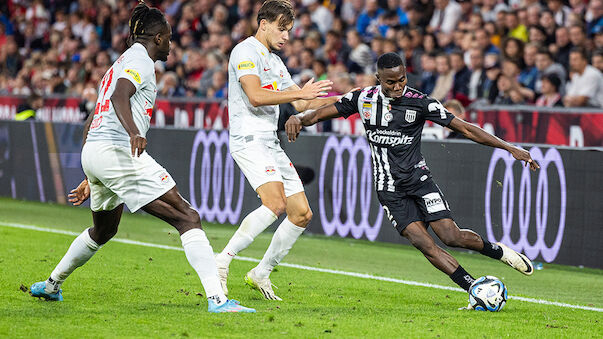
<point>136,66</point>
<point>252,57</point>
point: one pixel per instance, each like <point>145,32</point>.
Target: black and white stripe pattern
<point>379,107</point>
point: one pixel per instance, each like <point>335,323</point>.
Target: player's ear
<point>263,23</point>
<point>157,39</point>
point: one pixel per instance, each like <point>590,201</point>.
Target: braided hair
<point>145,22</point>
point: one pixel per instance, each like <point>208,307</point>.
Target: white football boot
<point>516,260</point>
<point>262,285</point>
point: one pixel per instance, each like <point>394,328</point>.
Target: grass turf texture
<point>132,291</point>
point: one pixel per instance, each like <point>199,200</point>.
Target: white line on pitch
<point>308,268</point>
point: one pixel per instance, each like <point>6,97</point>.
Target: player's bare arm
<point>259,96</point>
<point>120,99</point>
<point>478,135</point>
<point>295,122</point>
<point>304,105</point>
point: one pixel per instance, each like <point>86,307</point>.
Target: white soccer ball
<point>487,294</point>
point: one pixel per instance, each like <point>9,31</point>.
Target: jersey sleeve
<point>138,71</point>
<point>287,81</point>
<point>435,111</point>
<point>245,60</point>
<point>348,104</point>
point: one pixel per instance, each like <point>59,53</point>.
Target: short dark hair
<point>280,10</point>
<point>580,51</point>
<point>389,60</point>
<point>145,22</point>
<point>545,51</point>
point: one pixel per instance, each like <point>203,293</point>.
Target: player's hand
<point>523,155</point>
<point>292,127</point>
<point>138,143</point>
<point>313,90</point>
<point>80,194</point>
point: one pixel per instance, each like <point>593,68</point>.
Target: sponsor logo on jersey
<point>423,178</point>
<point>410,115</point>
<point>281,73</point>
<point>389,117</point>
<point>245,65</point>
<point>134,74</point>
<point>388,138</point>
<point>366,110</point>
<point>270,169</point>
<point>164,177</point>
<point>266,69</point>
<point>434,202</point>
<point>273,86</point>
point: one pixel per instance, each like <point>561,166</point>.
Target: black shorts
<point>423,202</point>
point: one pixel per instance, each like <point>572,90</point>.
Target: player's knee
<point>192,217</point>
<point>277,206</point>
<point>102,236</point>
<point>452,239</point>
<point>302,218</point>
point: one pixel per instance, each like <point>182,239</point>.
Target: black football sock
<point>491,250</point>
<point>462,278</point>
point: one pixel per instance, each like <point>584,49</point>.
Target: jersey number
<point>436,106</point>
<point>103,89</point>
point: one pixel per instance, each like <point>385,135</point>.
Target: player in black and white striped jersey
<point>393,115</point>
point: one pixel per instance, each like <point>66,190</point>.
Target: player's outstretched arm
<point>259,96</point>
<point>124,90</point>
<point>478,135</point>
<point>295,122</point>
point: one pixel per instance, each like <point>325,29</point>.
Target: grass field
<point>128,290</point>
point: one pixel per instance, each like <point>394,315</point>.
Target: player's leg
<point>259,167</point>
<point>452,235</point>
<point>175,210</point>
<point>299,215</point>
<point>406,217</point>
<point>418,236</point>
<point>80,251</point>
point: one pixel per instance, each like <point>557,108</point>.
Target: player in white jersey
<point>118,170</point>
<point>258,83</point>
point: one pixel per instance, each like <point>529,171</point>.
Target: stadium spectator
<point>490,86</point>
<point>561,48</point>
<point>560,11</point>
<point>586,82</point>
<point>462,76</point>
<point>594,16</point>
<point>368,21</point>
<point>547,21</point>
<point>429,75</point>
<point>512,49</point>
<point>550,91</point>
<point>546,65</point>
<point>577,37</point>
<point>27,110</point>
<point>361,57</point>
<point>445,80</point>
<point>456,108</point>
<point>529,73</point>
<point>485,43</point>
<point>508,93</point>
<point>515,29</point>
<point>478,74</point>
<point>597,59</point>
<point>445,17</point>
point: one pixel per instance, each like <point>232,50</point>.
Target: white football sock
<point>80,251</point>
<point>201,257</point>
<point>282,241</point>
<point>253,224</point>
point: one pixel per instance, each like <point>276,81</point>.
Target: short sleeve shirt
<point>251,57</point>
<point>136,66</point>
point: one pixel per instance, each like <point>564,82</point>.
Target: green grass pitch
<point>130,291</point>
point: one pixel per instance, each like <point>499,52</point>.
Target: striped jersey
<point>393,129</point>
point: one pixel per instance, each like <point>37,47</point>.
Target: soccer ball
<point>487,294</point>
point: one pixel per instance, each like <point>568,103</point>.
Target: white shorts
<point>263,161</point>
<point>115,177</point>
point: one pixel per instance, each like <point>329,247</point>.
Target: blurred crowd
<point>547,53</point>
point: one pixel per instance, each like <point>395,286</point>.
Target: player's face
<point>393,81</point>
<point>165,43</point>
<point>277,35</point>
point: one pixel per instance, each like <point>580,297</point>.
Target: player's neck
<point>150,50</point>
<point>262,39</point>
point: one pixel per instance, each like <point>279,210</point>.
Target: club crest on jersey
<point>388,117</point>
<point>245,65</point>
<point>410,115</point>
<point>164,177</point>
<point>135,75</point>
<point>366,110</point>
<point>281,74</point>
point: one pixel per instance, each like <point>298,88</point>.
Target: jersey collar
<point>259,44</point>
